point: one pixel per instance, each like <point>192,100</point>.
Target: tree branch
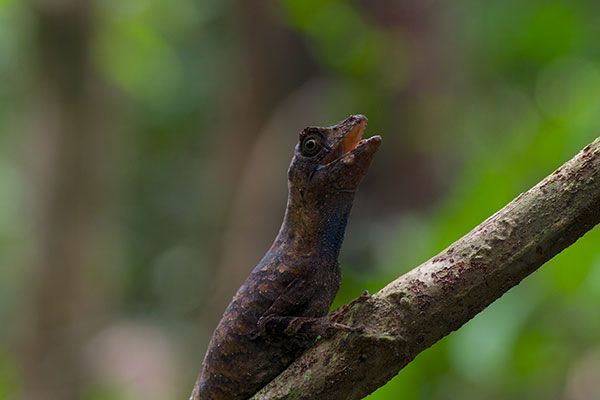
<point>426,304</point>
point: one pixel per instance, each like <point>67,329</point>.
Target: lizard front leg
<point>304,326</point>
<point>278,318</point>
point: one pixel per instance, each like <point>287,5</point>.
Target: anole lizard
<point>282,306</point>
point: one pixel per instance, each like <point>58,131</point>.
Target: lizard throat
<point>316,231</point>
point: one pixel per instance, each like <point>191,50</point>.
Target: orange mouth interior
<point>352,138</point>
<point>348,143</point>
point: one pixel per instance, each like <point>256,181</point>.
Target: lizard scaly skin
<point>282,306</point>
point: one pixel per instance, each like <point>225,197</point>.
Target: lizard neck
<point>315,226</point>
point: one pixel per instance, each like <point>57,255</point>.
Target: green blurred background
<point>143,152</point>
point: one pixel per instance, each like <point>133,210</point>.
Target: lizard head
<point>332,159</point>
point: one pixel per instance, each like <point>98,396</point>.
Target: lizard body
<point>282,306</point>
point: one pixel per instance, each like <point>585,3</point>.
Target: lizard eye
<point>310,146</point>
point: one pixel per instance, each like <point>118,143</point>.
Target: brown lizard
<point>282,307</point>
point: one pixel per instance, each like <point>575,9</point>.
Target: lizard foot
<point>337,314</point>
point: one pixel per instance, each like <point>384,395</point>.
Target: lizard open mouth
<point>349,141</point>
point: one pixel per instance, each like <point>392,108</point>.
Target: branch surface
<point>426,304</point>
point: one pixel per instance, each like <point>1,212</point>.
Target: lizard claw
<point>343,309</point>
<point>363,296</point>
